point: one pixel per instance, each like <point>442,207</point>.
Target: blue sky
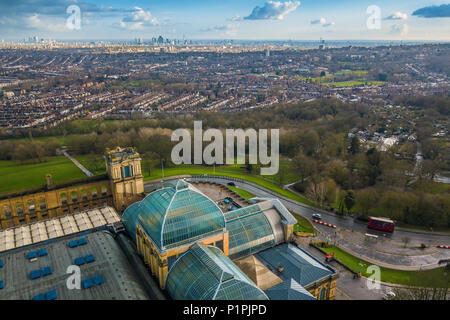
<point>227,19</point>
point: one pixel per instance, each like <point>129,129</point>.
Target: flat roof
<point>382,219</point>
<point>56,227</point>
<point>120,280</point>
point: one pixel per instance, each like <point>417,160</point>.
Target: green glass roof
<point>175,215</point>
<point>249,231</point>
<point>205,273</point>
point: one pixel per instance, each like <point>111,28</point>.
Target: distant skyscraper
<point>160,40</point>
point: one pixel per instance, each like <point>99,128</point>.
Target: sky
<point>226,19</point>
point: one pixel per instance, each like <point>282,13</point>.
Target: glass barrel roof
<point>205,273</point>
<point>175,215</point>
<point>249,232</point>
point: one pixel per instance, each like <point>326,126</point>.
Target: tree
<point>349,200</point>
<point>354,146</point>
<point>149,161</point>
<point>366,199</point>
<point>317,191</point>
<point>303,166</point>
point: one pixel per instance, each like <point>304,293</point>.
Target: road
<point>348,228</point>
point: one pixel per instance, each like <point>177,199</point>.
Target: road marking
<point>346,295</point>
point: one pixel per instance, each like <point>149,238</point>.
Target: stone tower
<point>124,170</point>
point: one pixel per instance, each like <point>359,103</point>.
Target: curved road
<point>347,224</point>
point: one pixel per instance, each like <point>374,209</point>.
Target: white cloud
<point>319,21</point>
<point>138,19</point>
<point>228,29</point>
<point>397,16</point>
<point>401,29</point>
<point>329,24</point>
<point>273,10</point>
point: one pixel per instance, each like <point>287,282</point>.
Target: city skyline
<point>252,20</point>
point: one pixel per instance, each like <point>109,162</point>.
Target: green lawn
<point>87,163</point>
<point>243,193</point>
<point>427,278</point>
<point>17,177</point>
<point>199,170</point>
<point>303,224</point>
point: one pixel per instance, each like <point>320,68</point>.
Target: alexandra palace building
<point>184,240</point>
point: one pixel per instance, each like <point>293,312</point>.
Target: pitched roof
<point>258,272</point>
<point>289,290</point>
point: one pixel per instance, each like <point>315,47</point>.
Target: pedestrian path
<point>79,165</point>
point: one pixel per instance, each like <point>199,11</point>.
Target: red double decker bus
<point>382,224</point>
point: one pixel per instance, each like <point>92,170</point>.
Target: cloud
<point>20,16</point>
<point>319,21</point>
<point>329,24</point>
<point>228,29</point>
<point>235,18</point>
<point>442,11</point>
<point>273,10</point>
<point>397,16</point>
<point>138,19</point>
<point>401,29</point>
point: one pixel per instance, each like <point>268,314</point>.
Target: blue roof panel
<point>297,264</point>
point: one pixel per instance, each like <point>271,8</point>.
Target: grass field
<point>244,194</point>
<point>427,278</point>
<point>303,224</point>
<point>17,177</point>
<point>84,160</point>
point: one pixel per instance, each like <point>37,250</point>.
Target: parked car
<point>232,184</point>
<point>317,216</point>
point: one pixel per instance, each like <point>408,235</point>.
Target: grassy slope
<point>303,224</point>
<point>244,194</point>
<point>425,278</point>
<point>18,177</point>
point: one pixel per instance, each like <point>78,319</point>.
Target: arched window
<point>7,211</point>
<point>19,208</point>
<point>42,204</point>
<point>63,197</point>
<point>74,196</point>
<point>322,294</point>
<point>94,192</point>
<point>84,195</point>
<point>104,191</point>
<point>31,206</point>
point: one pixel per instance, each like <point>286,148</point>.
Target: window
<point>126,172</point>
<point>42,204</point>
<point>7,211</point>
<point>63,197</point>
<point>74,196</point>
<point>94,192</point>
<point>84,196</point>
<point>104,191</point>
<point>31,206</point>
<point>322,294</point>
<point>19,208</point>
